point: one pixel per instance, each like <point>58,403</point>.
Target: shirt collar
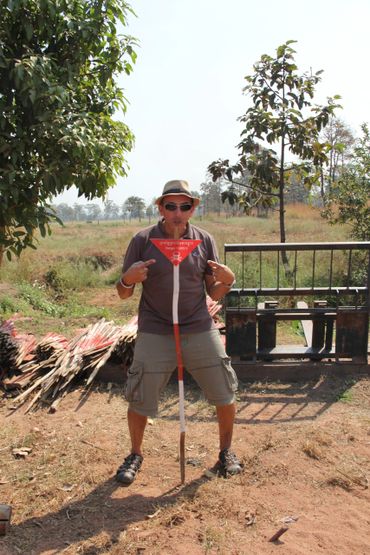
<point>187,234</point>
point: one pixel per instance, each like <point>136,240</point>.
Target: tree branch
<point>271,89</point>
<point>253,188</point>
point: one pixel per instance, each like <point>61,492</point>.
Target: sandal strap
<point>131,462</point>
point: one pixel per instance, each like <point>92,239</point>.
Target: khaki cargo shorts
<point>204,357</point>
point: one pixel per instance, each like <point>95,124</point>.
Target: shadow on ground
<point>99,511</point>
<point>267,402</point>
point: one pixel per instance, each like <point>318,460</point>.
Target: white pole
<point>175,316</point>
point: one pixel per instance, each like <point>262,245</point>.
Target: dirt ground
<point>306,454</point>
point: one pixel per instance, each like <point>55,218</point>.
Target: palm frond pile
<point>49,380</point>
<point>50,344</point>
<point>46,371</point>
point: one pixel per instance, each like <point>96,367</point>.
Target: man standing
<point>203,353</point>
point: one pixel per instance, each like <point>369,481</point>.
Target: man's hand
<point>221,273</point>
<point>137,273</point>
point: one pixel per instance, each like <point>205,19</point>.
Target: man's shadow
<point>99,511</point>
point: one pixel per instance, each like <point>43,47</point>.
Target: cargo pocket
<point>134,384</point>
<point>231,378</point>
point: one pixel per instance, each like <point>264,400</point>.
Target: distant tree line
<point>133,207</point>
<point>211,202</point>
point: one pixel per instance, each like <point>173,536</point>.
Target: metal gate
<point>325,286</point>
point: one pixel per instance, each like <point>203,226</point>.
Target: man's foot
<point>126,473</point>
<point>228,463</point>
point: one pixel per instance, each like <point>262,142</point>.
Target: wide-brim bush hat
<point>177,187</point>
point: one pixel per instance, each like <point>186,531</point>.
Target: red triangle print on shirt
<point>176,250</point>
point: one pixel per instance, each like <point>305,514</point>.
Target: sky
<point>185,93</point>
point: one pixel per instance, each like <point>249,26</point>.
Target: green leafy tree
<point>349,198</point>
<point>59,60</point>
<point>281,114</point>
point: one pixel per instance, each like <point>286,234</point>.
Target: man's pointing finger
<point>149,262</point>
<point>213,264</point>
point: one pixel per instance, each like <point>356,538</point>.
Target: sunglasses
<point>171,206</point>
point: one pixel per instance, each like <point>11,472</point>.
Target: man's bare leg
<point>126,473</point>
<point>136,426</point>
<point>225,417</point>
<point>228,463</point>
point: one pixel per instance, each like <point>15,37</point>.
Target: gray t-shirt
<point>155,308</point>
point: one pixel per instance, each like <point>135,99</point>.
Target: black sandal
<point>126,473</point>
<point>228,463</point>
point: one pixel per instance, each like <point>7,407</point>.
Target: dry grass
<point>312,449</point>
<point>314,446</point>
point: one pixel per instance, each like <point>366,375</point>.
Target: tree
<point>135,206</point>
<point>348,201</point>
<point>340,140</point>
<point>79,211</point>
<point>296,191</point>
<point>282,113</point>
<point>93,211</point>
<point>59,60</point>
<point>64,212</point>
<point>111,210</point>
<point>211,197</point>
<point>149,212</point>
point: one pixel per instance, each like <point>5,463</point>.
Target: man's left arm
<point>220,281</point>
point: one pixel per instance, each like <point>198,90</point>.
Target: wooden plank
<point>296,370</point>
<point>296,315</point>
<point>294,351</point>
<point>289,314</point>
<point>306,325</point>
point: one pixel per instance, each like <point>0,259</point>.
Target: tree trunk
<point>322,185</point>
<point>284,256</point>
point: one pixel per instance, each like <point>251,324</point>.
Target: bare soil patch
<point>306,454</point>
